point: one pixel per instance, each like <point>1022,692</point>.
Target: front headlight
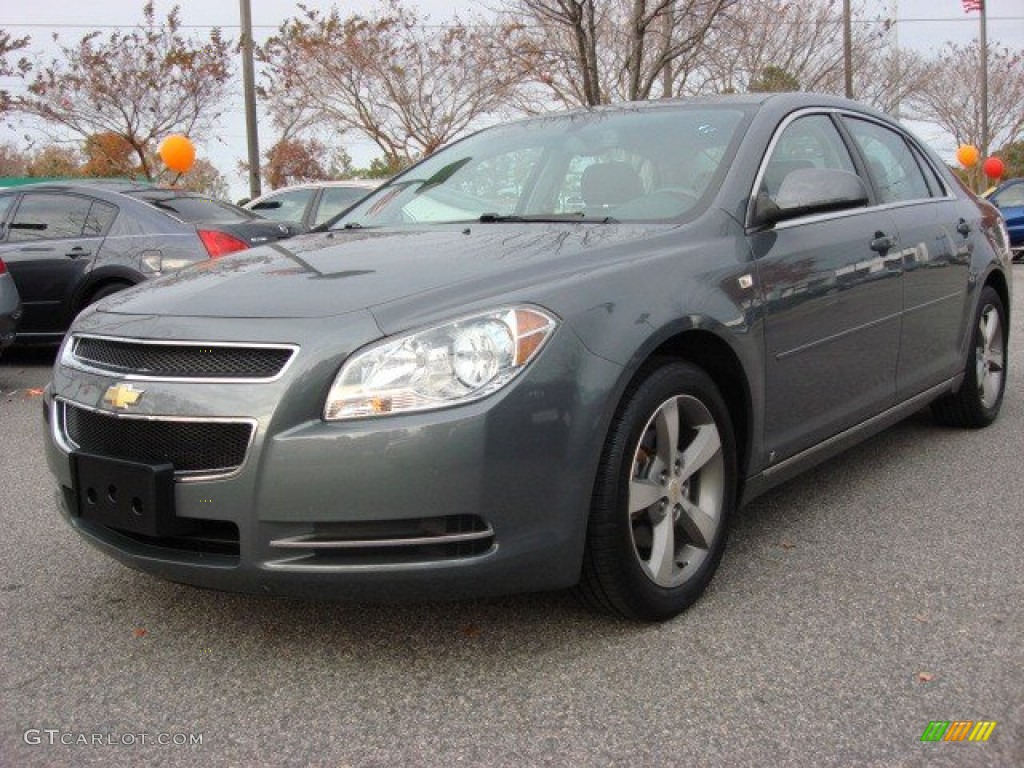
<point>449,364</point>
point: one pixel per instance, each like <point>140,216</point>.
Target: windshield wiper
<point>544,218</point>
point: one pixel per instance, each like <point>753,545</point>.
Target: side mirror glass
<point>808,191</point>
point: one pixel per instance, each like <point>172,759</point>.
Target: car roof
<point>774,103</point>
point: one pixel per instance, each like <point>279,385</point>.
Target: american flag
<point>973,5</point>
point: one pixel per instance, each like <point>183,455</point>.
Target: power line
<point>900,20</point>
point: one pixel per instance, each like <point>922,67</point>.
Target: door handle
<point>882,242</point>
<point>77,251</point>
<point>963,228</point>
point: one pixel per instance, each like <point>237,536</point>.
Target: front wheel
<point>977,402</point>
<point>663,498</point>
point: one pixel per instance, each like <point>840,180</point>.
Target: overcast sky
<point>924,25</point>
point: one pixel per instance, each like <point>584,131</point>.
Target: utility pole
<point>848,49</point>
<point>984,83</point>
<point>249,86</point>
<point>897,73</point>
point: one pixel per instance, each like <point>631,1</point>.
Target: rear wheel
<point>107,289</point>
<point>977,402</point>
<point>664,494</point>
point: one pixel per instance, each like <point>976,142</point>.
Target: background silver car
<point>311,204</point>
<point>10,307</point>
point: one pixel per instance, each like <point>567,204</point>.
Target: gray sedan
<point>563,351</point>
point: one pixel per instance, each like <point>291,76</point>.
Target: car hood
<point>320,275</point>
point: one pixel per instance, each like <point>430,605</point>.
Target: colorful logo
<point>958,730</point>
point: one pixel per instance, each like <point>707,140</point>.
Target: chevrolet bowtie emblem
<point>122,395</point>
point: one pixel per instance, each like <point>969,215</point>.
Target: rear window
<point>194,208</point>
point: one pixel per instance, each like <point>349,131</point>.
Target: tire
<point>976,404</point>
<point>651,563</point>
<point>107,289</point>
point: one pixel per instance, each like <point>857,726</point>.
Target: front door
<point>832,293</point>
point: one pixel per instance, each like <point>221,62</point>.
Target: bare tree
<point>887,79</point>
<point>803,40</point>
<point>407,86</point>
<point>591,52</point>
<point>952,97</point>
<point>17,68</point>
<point>140,85</point>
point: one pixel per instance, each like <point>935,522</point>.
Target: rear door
<point>49,244</point>
<point>832,300</point>
<point>934,247</point>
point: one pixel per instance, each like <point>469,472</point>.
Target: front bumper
<point>488,498</point>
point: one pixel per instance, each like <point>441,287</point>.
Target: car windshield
<point>639,165</point>
<point>193,208</point>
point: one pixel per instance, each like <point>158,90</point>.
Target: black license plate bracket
<point>126,495</point>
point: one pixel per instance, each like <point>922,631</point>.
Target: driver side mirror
<point>807,191</point>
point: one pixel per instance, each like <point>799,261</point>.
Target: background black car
<point>10,307</point>
<point>67,245</point>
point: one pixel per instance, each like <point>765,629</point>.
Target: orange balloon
<point>177,153</point>
<point>967,155</point>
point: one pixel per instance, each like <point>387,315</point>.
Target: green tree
<point>773,80</point>
<point>1012,156</point>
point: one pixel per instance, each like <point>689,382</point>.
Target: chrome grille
<point>126,357</point>
<point>192,446</point>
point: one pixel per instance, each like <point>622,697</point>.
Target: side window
<point>101,216</point>
<point>892,165</point>
<point>935,184</point>
<point>49,217</point>
<point>286,206</point>
<point>808,142</point>
<point>334,200</point>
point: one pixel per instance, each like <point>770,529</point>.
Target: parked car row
<point>562,351</point>
<point>67,245</point>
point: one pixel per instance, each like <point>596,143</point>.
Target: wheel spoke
<point>989,326</point>
<point>663,551</point>
<point>698,525</point>
<point>666,423</point>
<point>995,361</point>
<point>644,494</point>
<point>704,448</point>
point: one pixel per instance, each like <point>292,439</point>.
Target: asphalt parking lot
<point>856,604</point>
